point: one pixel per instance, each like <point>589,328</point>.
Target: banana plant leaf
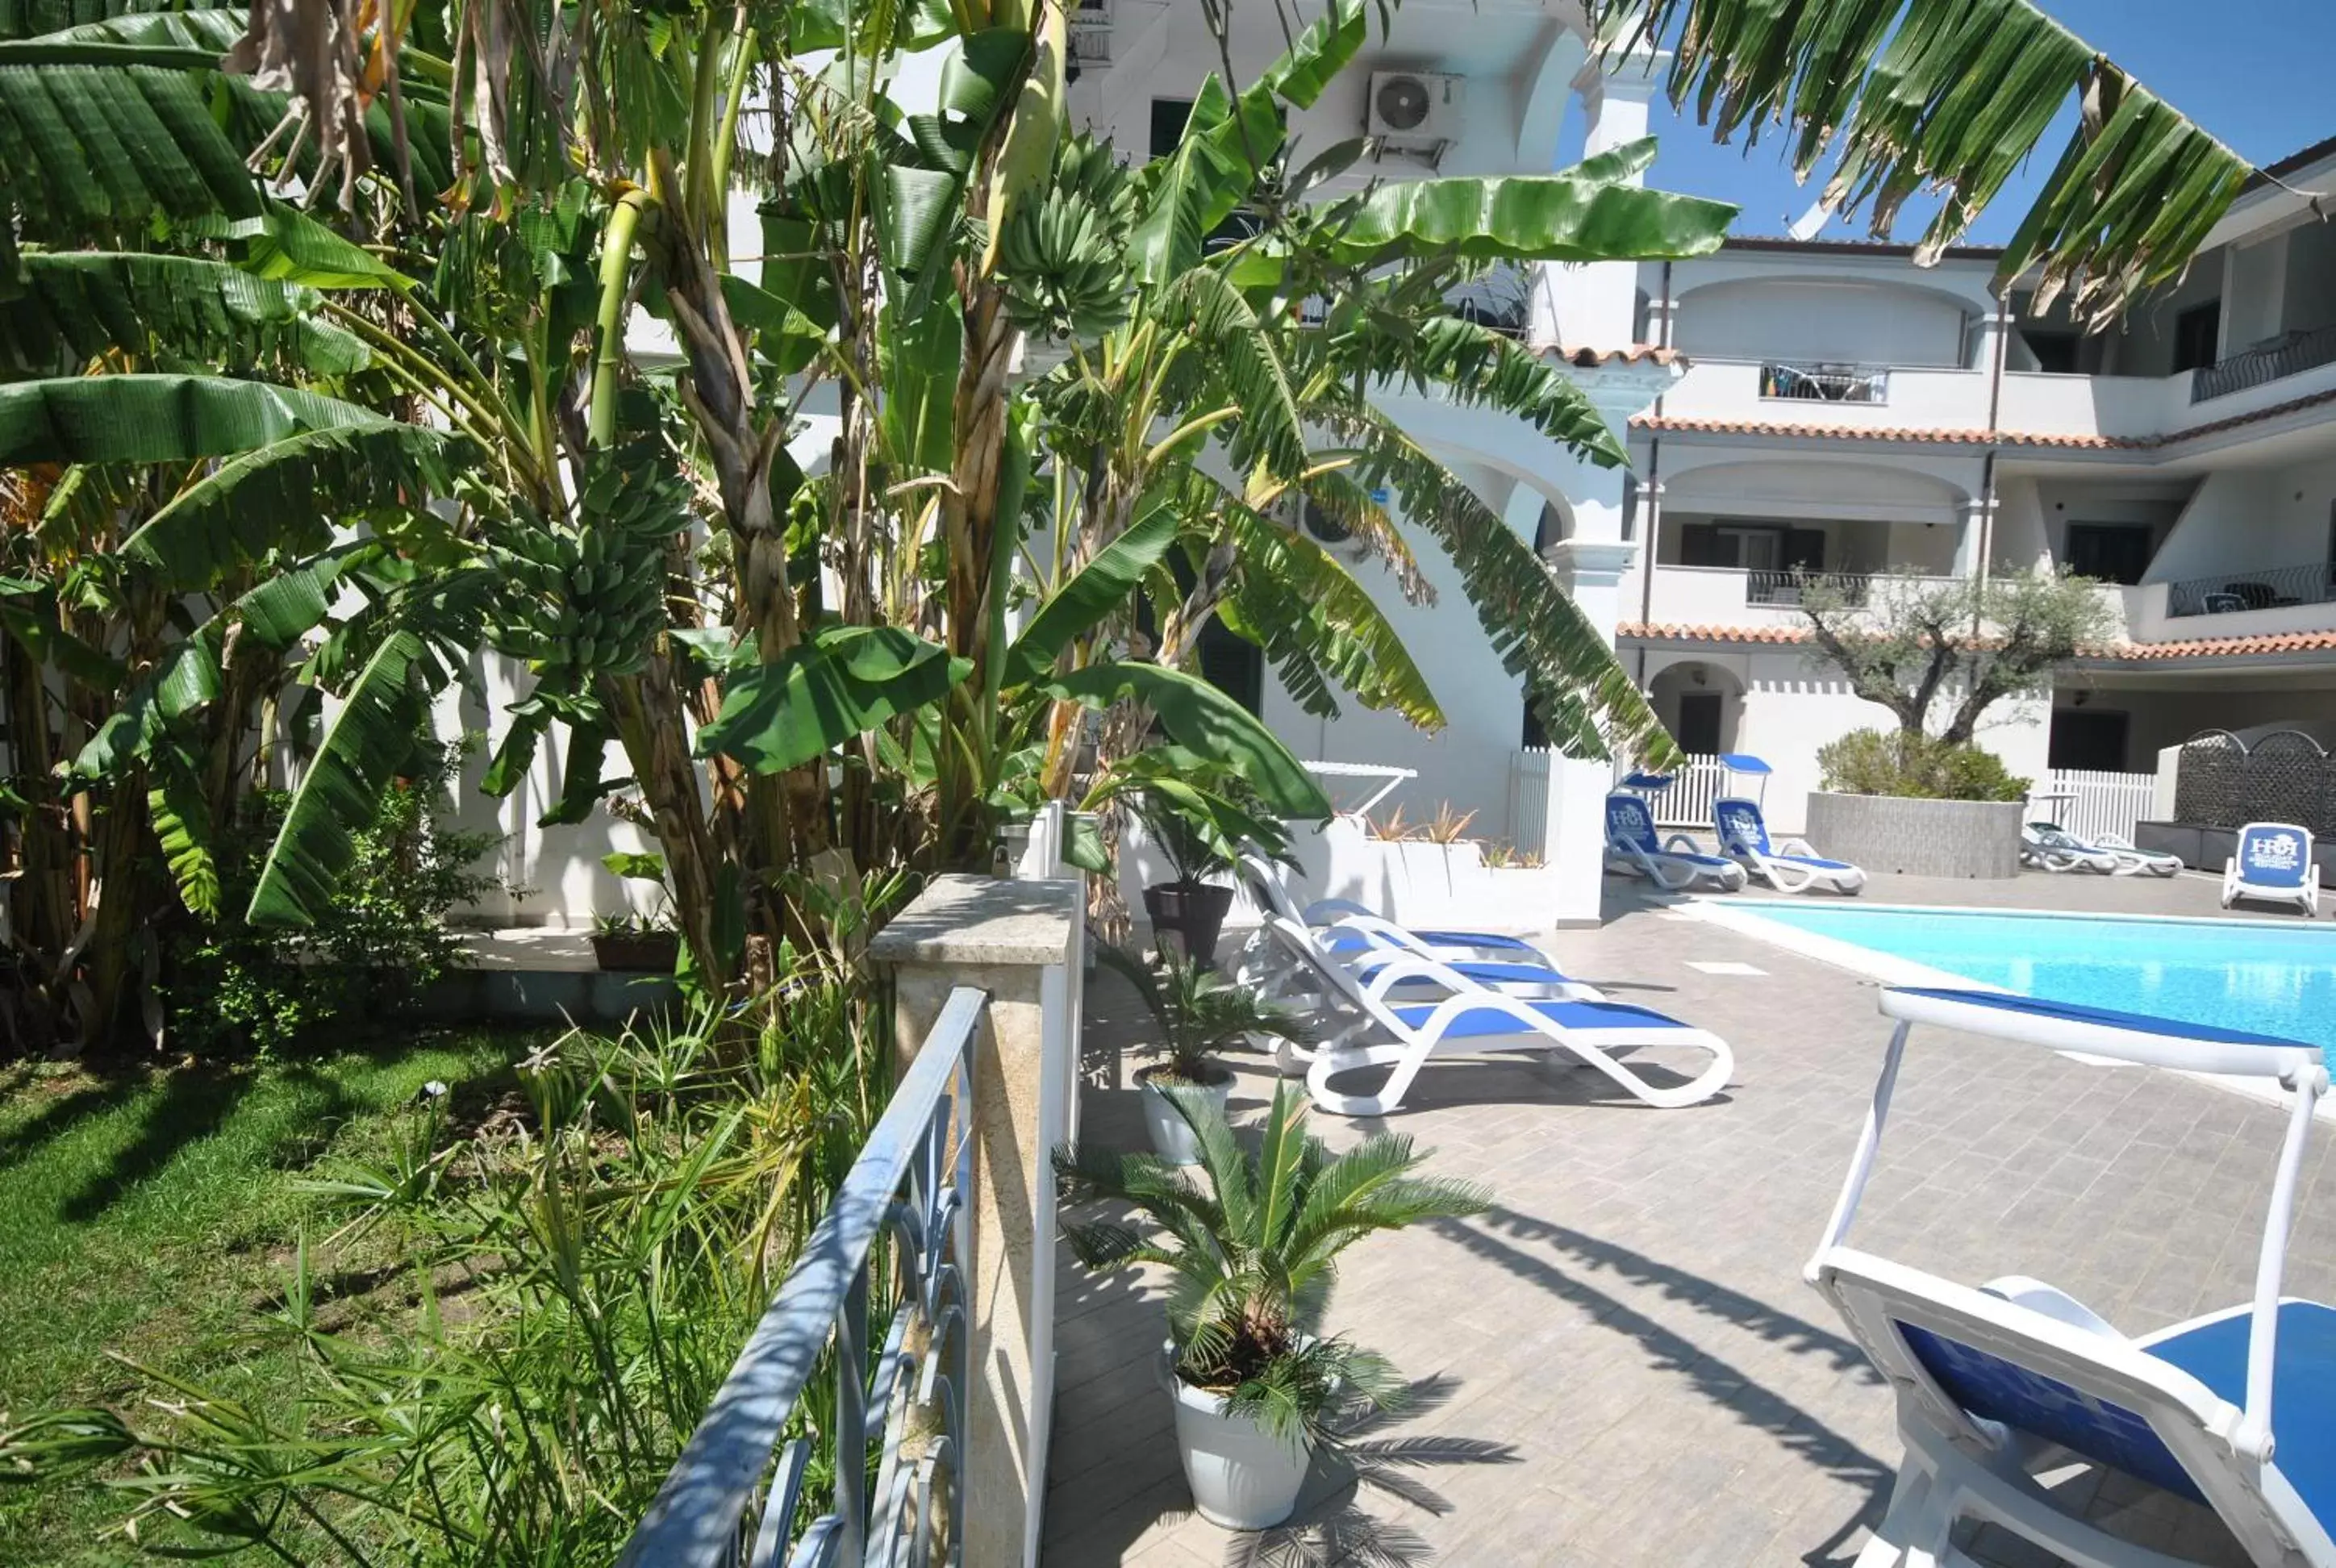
<point>1575,215</point>
<point>1208,723</point>
<point>76,305</point>
<point>839,683</point>
<point>1096,589</point>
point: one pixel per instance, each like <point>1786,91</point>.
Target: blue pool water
<point>2269,978</point>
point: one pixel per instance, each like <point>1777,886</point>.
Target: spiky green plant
<point>1252,1255</point>
<point>1200,1011</point>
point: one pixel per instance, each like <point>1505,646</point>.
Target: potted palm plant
<point>1199,1012</point>
<point>1200,816</point>
<point>1259,1385</point>
<point>633,942</point>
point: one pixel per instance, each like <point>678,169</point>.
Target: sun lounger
<point>2053,848</point>
<point>1376,1024</point>
<point>2235,1410</point>
<point>2273,863</point>
<point>1633,848</point>
<point>1790,866</point>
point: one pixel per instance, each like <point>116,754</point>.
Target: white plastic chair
<point>1995,1384</point>
<point>1790,866</point>
<point>1382,1027</point>
<point>2273,863</point>
<point>1633,848</point>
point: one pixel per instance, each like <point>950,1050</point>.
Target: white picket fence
<point>2103,802</point>
<point>1687,803</point>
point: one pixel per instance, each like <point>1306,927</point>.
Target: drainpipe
<point>2002,297</point>
<point>1651,515</point>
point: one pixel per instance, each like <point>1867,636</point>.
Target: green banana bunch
<point>1062,257</point>
<point>587,598</point>
<point>1028,152</point>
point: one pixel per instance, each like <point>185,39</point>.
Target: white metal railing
<point>2092,802</point>
<point>1529,800</point>
<point>911,1182</point>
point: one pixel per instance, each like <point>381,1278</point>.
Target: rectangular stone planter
<point>1919,838</point>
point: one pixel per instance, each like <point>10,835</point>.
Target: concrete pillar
<point>1014,940</point>
<point>1594,304</point>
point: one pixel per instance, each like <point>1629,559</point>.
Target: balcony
<point>2237,592</point>
<point>2293,354</point>
<point>1733,596</point>
<point>1823,381</point>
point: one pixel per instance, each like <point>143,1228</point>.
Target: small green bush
<point>232,988</point>
<point>1871,762</point>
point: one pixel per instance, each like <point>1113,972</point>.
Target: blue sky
<point>2255,72</point>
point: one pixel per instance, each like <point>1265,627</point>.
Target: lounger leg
<point>1329,1065</point>
<point>1701,1088</point>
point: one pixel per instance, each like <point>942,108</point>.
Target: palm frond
<point>175,312</point>
<point>1589,705</point>
<point>1953,96</point>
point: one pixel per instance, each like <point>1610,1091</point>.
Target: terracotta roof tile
<point>2200,647</point>
<point>2208,646</point>
<point>1631,354</point>
<point>1968,437</point>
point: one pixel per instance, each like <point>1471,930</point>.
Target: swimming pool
<point>2271,979</point>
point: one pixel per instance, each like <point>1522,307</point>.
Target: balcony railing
<point>2231,592</point>
<point>2291,356</point>
<point>1788,587</point>
<point>1823,381</point>
<point>910,1183</point>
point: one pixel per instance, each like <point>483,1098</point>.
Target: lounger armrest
<point>1329,912</point>
<point>2051,1302</point>
<point>1798,847</point>
<point>2112,842</point>
<point>1678,842</point>
<point>1386,977</point>
<point>1384,935</point>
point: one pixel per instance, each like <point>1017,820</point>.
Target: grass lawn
<point>151,1213</point>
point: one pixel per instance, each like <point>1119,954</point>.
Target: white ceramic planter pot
<point>1171,1135</point>
<point>1242,1478</point>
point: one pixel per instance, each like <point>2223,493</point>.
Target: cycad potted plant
<point>1199,1012</point>
<point>1258,1384</point>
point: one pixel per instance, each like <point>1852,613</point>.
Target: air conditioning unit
<point>1415,108</point>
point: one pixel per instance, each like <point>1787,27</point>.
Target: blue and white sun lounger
<point>1790,866</point>
<point>1634,849</point>
<point>1376,1024</point>
<point>2273,863</point>
<point>1361,931</point>
<point>2235,1410</point>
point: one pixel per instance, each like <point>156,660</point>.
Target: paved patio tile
<point>1630,1318</point>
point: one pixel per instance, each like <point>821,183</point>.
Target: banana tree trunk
<point>647,708</point>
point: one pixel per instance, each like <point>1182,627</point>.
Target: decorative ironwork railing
<point>910,1183</point>
<point>2291,356</point>
<point>1788,587</point>
<point>1824,381</point>
<point>2230,592</point>
<point>2285,776</point>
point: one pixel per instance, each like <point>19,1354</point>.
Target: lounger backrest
<point>1739,824</point>
<point>2275,854</point>
<point>1260,879</point>
<point>1302,944</point>
<point>1629,821</point>
<point>1960,1353</point>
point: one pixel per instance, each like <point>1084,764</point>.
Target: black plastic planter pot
<point>645,953</point>
<point>1193,912</point>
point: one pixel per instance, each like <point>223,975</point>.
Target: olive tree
<point>1910,643</point>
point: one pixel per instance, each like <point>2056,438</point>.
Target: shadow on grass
<point>193,1104</point>
<point>67,1111</point>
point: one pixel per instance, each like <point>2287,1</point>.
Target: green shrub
<point>233,986</point>
<point>1871,762</point>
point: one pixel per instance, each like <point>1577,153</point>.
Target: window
<point>1168,117</point>
<point>2112,551</point>
<point>2195,331</point>
<point>2055,351</point>
<point>2088,738</point>
<point>1752,547</point>
<point>1233,664</point>
<point>1533,738</point>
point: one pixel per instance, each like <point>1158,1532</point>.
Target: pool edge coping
<point>1889,970</point>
